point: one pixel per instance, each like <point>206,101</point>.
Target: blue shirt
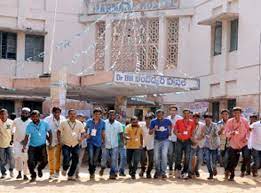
<point>37,133</point>
<point>96,136</point>
<point>163,128</point>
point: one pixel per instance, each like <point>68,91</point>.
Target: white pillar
<point>162,43</point>
<point>20,50</point>
<point>224,54</point>
<point>108,42</point>
<point>58,88</point>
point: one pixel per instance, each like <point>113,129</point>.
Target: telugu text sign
<point>156,80</point>
<point>132,5</point>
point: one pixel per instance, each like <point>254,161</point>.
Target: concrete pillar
<point>18,107</point>
<point>58,89</point>
<point>20,50</point>
<point>21,13</point>
<point>162,43</point>
<point>121,106</point>
<point>108,42</point>
<point>224,55</point>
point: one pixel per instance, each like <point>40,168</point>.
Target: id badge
<point>185,132</point>
<point>93,132</point>
<point>73,134</point>
<point>136,139</point>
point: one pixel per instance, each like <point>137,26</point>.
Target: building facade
<point>216,41</point>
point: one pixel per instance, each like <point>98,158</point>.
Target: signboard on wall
<point>156,80</point>
<point>118,6</point>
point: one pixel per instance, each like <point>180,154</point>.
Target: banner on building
<point>118,6</point>
<point>156,80</point>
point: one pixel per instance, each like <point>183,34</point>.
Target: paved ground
<point>126,185</point>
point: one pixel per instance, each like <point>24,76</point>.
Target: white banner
<point>156,80</point>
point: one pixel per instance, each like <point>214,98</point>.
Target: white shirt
<point>197,134</point>
<point>173,137</point>
<point>148,140</point>
<point>54,125</point>
<point>112,132</point>
<point>256,136</point>
<point>19,129</point>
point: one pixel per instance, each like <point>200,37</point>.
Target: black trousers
<point>147,160</point>
<point>133,159</point>
<point>37,157</point>
<point>233,159</point>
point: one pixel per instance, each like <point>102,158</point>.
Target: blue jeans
<point>70,154</point>
<point>195,152</point>
<point>171,154</point>
<point>257,159</point>
<point>182,147</point>
<point>123,159</point>
<point>93,153</point>
<point>161,156</point>
<point>211,158</point>
<point>111,154</point>
<point>6,157</point>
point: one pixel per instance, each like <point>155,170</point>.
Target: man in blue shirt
<point>161,128</point>
<point>36,134</point>
<point>96,136</point>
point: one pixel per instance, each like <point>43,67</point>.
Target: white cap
<point>26,109</point>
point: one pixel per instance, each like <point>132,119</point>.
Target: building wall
<point>231,74</point>
<point>38,15</point>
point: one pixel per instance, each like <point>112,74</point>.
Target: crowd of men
<point>180,143</point>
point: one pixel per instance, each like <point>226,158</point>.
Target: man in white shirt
<point>113,129</point>
<point>256,146</point>
<point>147,155</point>
<point>54,152</point>
<point>6,141</point>
<point>173,117</point>
<point>19,130</point>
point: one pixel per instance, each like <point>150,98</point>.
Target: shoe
<point>64,173</point>
<point>122,174</point>
<point>177,174</point>
<point>56,175</point>
<point>255,174</point>
<point>19,176</point>
<point>133,177</point>
<point>148,176</point>
<point>112,177</point>
<point>40,173</point>
<point>52,176</point>
<point>197,174</point>
<point>242,175</point>
<point>26,178</point>
<point>190,176</point>
<point>3,176</point>
<point>156,176</point>
<point>210,177</point>
<point>101,172</point>
<point>71,178</point>
<point>184,176</point>
<point>171,173</point>
<point>32,180</point>
<point>164,176</point>
<point>141,174</point>
<point>226,175</point>
<point>248,173</point>
<point>231,179</point>
<point>92,177</point>
<point>214,172</point>
<point>77,176</point>
<point>11,174</point>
